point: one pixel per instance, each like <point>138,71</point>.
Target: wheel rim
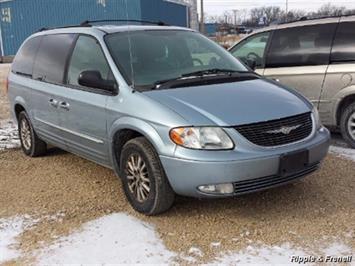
<point>25,134</point>
<point>351,126</point>
<point>137,176</point>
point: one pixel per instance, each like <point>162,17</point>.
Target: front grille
<point>278,132</point>
<point>252,185</point>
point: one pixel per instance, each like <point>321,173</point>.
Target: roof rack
<point>88,23</point>
<point>61,27</point>
<point>305,18</point>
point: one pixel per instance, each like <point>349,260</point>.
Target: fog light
<point>217,189</point>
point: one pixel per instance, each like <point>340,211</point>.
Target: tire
<point>160,196</point>
<point>30,143</point>
<point>347,124</point>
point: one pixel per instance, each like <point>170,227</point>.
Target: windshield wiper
<point>200,74</point>
<point>212,71</point>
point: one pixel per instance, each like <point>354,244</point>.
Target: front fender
<point>161,144</point>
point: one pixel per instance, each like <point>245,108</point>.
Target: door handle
<point>53,103</point>
<point>64,105</point>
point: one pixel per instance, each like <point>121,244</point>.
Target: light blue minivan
<point>170,111</point>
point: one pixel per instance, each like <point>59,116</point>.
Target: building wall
<point>21,18</point>
<point>168,12</point>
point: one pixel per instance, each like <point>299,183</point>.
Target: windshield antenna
<point>130,48</point>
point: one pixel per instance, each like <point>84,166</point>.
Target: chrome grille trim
<point>300,127</point>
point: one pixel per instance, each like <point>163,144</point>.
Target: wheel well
<point>18,109</point>
<point>120,138</point>
<point>343,104</point>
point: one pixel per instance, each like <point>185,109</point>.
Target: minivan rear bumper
<point>246,175</point>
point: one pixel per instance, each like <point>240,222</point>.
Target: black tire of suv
<point>345,116</point>
<point>161,196</point>
<point>38,147</point>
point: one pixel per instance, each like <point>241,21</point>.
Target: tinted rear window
<point>344,43</point>
<point>52,57</point>
<point>23,62</point>
<point>301,46</point>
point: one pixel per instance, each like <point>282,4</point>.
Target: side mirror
<point>251,63</point>
<point>93,79</point>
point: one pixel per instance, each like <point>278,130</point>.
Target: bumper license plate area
<point>294,162</point>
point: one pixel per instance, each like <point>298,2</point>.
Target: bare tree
<point>272,14</point>
<point>330,10</point>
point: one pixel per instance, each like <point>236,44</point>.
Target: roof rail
<point>88,23</point>
<point>60,27</point>
<point>305,18</point>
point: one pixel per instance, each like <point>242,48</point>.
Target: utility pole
<point>286,9</point>
<point>202,19</point>
<point>235,12</point>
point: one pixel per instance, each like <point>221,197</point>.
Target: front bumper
<point>248,172</point>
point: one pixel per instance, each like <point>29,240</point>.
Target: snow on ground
<point>11,228</point>
<point>343,152</point>
<point>279,255</point>
<point>261,255</point>
<point>113,239</point>
<point>8,135</point>
<point>121,239</point>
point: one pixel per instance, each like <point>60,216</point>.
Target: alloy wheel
<point>351,126</point>
<point>25,134</point>
<point>137,177</point>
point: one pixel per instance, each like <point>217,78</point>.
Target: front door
<point>253,49</point>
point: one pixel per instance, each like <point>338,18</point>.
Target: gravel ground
<point>303,214</point>
<point>4,103</point>
<point>308,214</point>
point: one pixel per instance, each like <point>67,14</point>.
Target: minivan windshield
<point>147,57</point>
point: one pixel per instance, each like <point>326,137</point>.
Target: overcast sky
<point>217,7</point>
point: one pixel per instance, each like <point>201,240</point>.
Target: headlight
<point>201,138</point>
<point>317,122</point>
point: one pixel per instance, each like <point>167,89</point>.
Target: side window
<point>301,46</point>
<point>252,48</point>
<point>344,43</point>
<point>23,62</point>
<point>52,57</point>
<point>88,56</point>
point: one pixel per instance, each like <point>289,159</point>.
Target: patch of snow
<point>337,249</point>
<point>260,255</point>
<point>215,244</point>
<point>113,239</point>
<point>277,255</point>
<point>343,152</point>
<point>8,135</point>
<point>194,251</point>
<point>10,228</point>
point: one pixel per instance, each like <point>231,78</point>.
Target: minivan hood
<point>232,104</point>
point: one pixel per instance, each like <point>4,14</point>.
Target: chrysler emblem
<point>284,130</point>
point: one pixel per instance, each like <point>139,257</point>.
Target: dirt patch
<point>78,191</point>
<point>4,103</point>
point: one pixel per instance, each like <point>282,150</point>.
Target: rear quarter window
<point>52,57</point>
<point>24,59</point>
<point>344,43</point>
